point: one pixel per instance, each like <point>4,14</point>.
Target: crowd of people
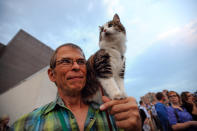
<point>169,111</point>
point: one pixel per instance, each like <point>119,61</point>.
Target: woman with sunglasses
<point>188,103</point>
<point>178,116</point>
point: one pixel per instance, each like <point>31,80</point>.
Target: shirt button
<point>72,116</point>
<point>91,118</point>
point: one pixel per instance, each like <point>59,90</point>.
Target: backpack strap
<point>177,116</point>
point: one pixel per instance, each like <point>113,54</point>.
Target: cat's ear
<point>100,28</point>
<point>116,18</point>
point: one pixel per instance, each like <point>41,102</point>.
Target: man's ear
<point>51,75</point>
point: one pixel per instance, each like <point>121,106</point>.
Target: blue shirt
<point>183,116</point>
<point>162,114</point>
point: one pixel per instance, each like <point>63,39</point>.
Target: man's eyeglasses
<point>70,62</point>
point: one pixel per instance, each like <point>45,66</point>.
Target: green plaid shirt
<point>56,116</point>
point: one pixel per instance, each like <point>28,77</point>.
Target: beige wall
<point>31,93</point>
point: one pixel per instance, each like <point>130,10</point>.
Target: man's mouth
<point>75,77</point>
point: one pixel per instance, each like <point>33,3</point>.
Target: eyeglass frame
<point>63,62</point>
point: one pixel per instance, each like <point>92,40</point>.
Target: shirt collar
<point>58,101</point>
<point>48,107</point>
<point>52,105</point>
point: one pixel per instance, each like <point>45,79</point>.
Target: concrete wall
<point>29,94</point>
<point>23,56</point>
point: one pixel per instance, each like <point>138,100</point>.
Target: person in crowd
<point>178,116</point>
<point>162,111</point>
<point>165,92</point>
<point>154,116</point>
<point>145,117</point>
<point>195,97</point>
<point>188,103</point>
<point>4,120</point>
<point>69,111</point>
<point>143,107</point>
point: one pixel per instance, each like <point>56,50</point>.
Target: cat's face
<point>112,28</point>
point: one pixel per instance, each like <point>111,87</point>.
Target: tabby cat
<point>106,67</point>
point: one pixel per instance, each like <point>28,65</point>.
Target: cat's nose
<point>104,30</point>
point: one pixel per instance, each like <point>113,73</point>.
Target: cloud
<point>168,33</point>
<point>90,6</point>
<point>51,23</point>
<point>166,63</point>
<point>184,85</point>
<point>187,34</point>
<point>113,7</point>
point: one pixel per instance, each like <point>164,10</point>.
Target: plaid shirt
<point>50,117</point>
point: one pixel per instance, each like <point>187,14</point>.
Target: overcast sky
<point>161,35</point>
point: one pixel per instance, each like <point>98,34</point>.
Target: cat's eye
<point>110,25</point>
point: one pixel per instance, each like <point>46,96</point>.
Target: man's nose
<point>75,65</point>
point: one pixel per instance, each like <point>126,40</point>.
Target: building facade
<point>23,56</point>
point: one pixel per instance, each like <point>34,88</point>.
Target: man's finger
<point>105,99</point>
<point>109,103</point>
<point>126,123</point>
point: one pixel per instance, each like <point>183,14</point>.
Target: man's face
<point>70,79</point>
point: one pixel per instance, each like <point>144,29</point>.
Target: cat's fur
<point>106,67</point>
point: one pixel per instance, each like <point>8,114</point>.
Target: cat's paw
<point>124,95</point>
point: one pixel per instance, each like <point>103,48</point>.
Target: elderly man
<point>69,111</point>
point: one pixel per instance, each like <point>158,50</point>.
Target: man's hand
<point>125,112</point>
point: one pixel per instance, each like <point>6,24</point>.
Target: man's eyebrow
<point>64,58</point>
<point>71,58</point>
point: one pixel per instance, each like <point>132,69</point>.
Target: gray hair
<point>54,56</point>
